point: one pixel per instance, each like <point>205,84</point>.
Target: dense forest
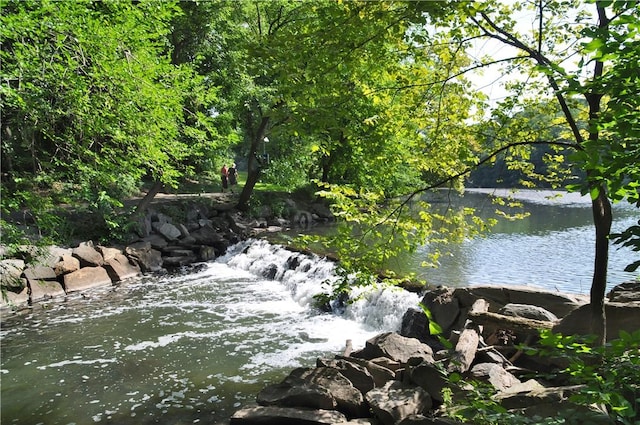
<point>368,104</point>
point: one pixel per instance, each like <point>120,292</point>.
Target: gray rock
<point>528,312</point>
<point>444,307</point>
<point>88,255</point>
<point>167,230</point>
<point>10,272</point>
<point>67,264</point>
<point>141,254</point>
<point>119,268</point>
<point>296,392</point>
<point>396,401</point>
<point>430,378</point>
<point>16,300</point>
<point>395,347</point>
<point>156,241</point>
<point>357,374</point>
<point>495,374</point>
<point>620,317</point>
<point>273,415</point>
<point>498,296</point>
<point>381,375</point>
<point>38,273</point>
<point>625,292</point>
<point>85,278</point>
<point>349,399</point>
<point>41,290</point>
<point>108,252</point>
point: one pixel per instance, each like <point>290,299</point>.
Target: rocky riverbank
<point>398,377</point>
<point>404,378</point>
<point>171,235</point>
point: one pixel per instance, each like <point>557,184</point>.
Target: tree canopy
<point>370,103</point>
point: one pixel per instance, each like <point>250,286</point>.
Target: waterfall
<point>378,307</point>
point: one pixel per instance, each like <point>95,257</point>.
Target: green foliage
<point>608,375</point>
<point>92,102</point>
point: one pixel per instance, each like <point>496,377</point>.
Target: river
<point>193,347</point>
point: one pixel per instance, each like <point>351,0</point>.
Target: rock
<point>357,374</point>
<point>108,253</point>
<point>415,324</point>
<point>156,241</point>
<point>67,264</point>
<point>625,292</point>
<point>119,268</point>
<point>499,296</point>
<point>273,415</point>
<point>381,375</point>
<point>444,308</point>
<point>396,401</point>
<point>620,317</point>
<point>16,300</point>
<point>528,312</point>
<point>395,347</point>
<point>296,392</point>
<point>540,402</point>
<point>88,255</point>
<point>430,420</point>
<point>148,259</point>
<point>167,230</point>
<point>206,253</point>
<point>85,278</point>
<point>10,272</point>
<point>50,255</point>
<point>349,399</point>
<point>41,290</point>
<point>495,374</point>
<point>430,378</point>
<point>207,235</point>
<point>39,273</point>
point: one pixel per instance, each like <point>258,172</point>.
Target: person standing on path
<point>232,176</point>
<point>224,176</point>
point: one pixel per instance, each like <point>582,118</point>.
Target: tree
<point>89,88</point>
<point>606,145</point>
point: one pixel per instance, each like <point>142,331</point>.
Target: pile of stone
<point>162,244</point>
<point>403,378</point>
<point>175,236</point>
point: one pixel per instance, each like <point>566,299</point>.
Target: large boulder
<point>145,257</point>
<point>380,374</point>
<point>620,317</point>
<point>395,347</point>
<point>67,264</point>
<point>88,255</point>
<point>498,296</point>
<point>120,268</point>
<point>357,374</point>
<point>41,290</point>
<point>396,401</point>
<point>495,374</point>
<point>275,415</point>
<point>625,292</point>
<point>528,312</point>
<point>349,399</point>
<point>86,278</point>
<point>296,392</point>
<point>429,377</point>
<point>10,273</point>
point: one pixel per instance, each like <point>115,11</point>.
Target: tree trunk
<point>144,202</point>
<point>602,218</point>
<point>254,166</point>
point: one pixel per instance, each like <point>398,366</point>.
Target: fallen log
<point>517,324</point>
<point>467,345</point>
